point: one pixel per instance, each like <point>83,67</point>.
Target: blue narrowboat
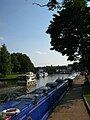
<point>36,105</point>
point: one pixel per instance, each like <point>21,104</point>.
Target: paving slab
<point>72,106</point>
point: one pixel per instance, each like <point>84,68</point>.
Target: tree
<point>15,63</point>
<point>70,31</point>
<point>75,66</point>
<point>52,4</point>
<point>5,61</point>
<point>25,63</point>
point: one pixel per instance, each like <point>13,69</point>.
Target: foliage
<point>52,5</point>
<point>16,62</point>
<point>21,63</point>
<point>5,61</point>
<point>75,66</point>
<point>78,66</point>
<point>77,3</point>
<point>70,31</point>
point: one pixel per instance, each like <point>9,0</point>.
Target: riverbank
<point>72,106</point>
<point>11,77</point>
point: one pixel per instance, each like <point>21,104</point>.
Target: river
<point>10,87</point>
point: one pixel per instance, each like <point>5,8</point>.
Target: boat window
<point>27,77</point>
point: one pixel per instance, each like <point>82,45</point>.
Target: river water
<point>50,78</point>
<point>12,88</point>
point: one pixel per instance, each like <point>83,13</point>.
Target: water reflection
<point>11,86</point>
<point>8,83</point>
<point>50,78</point>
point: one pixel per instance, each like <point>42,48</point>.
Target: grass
<point>87,93</point>
<point>11,76</point>
<point>87,96</point>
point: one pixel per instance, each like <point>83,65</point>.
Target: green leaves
<point>70,31</point>
<point>21,63</point>
<point>53,4</point>
<point>5,61</point>
<point>16,62</point>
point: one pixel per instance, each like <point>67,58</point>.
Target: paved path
<point>72,106</point>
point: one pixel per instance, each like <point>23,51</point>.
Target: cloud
<point>40,53</point>
<point>1,38</point>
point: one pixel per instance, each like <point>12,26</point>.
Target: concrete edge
<point>86,104</point>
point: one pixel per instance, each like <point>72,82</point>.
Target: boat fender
<point>11,111</point>
<point>6,118</point>
<point>35,99</point>
<point>29,118</point>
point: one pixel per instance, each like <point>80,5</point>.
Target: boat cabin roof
<point>52,84</point>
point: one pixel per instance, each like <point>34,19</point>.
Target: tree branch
<point>39,4</point>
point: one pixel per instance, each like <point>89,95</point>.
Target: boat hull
<point>38,104</point>
<point>26,80</point>
<point>45,105</point>
<point>25,83</point>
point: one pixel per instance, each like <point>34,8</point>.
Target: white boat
<point>28,79</point>
<point>45,74</point>
<point>41,74</point>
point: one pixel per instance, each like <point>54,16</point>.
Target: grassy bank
<point>11,76</point>
<point>87,93</point>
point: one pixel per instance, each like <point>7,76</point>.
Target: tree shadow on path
<point>72,96</point>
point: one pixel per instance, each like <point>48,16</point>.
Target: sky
<point>23,29</point>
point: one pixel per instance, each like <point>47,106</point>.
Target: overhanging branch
<point>40,4</point>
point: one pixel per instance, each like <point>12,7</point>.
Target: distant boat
<point>41,74</point>
<point>28,79</point>
<point>45,74</point>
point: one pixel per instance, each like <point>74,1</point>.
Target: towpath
<point>72,106</point>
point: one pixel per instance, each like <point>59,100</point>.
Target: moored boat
<point>36,105</point>
<point>41,74</point>
<point>28,79</point>
<point>45,74</point>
